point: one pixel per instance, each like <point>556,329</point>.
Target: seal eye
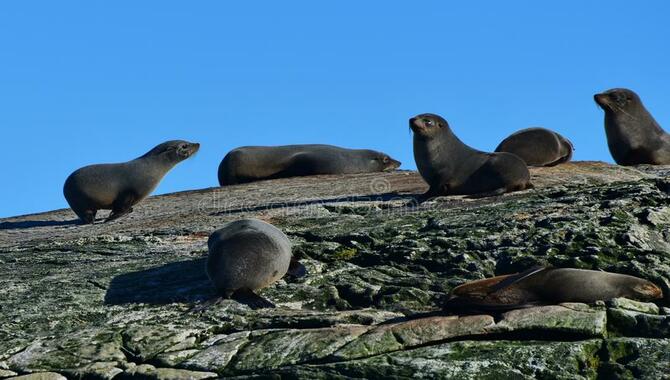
<point>385,160</point>
<point>428,122</point>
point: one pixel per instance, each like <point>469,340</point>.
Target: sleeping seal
<point>255,163</point>
<point>543,286</point>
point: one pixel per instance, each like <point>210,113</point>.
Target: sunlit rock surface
<point>115,300</point>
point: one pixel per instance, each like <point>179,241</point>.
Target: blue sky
<point>96,81</point>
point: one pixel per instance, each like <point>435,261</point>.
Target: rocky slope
<point>115,300</point>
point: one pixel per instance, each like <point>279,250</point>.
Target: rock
<point>626,304</point>
<point>413,333</point>
<point>149,372</point>
<point>218,353</point>
<point>41,376</point>
<point>4,373</point>
<point>636,358</point>
<point>632,323</point>
<point>90,301</point>
<point>469,360</point>
<point>565,319</point>
<point>281,348</point>
<point>99,370</point>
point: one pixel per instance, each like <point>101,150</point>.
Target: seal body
<point>247,255</point>
<point>254,163</point>
<point>538,147</point>
<point>633,136</point>
<point>118,187</point>
<point>451,167</point>
<point>542,285</point>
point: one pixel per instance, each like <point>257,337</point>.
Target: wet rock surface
<point>117,300</point>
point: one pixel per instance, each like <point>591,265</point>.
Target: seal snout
<point>649,291</point>
<point>193,149</point>
<point>601,99</point>
<point>392,165</point>
<point>416,125</point>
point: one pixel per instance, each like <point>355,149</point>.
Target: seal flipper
<point>251,299</point>
<point>433,192</point>
<point>296,269</point>
<point>86,216</point>
<point>515,278</point>
<point>122,205</point>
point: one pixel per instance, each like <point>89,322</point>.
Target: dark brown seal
<point>118,187</point>
<point>247,255</point>
<point>254,163</point>
<point>542,286</point>
<point>633,136</point>
<point>538,147</point>
<point>451,167</point>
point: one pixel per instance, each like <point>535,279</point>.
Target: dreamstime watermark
<point>378,200</point>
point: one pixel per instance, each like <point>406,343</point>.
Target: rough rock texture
<point>115,300</point>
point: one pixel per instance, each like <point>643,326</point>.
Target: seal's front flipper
<point>296,269</point>
<point>515,278</point>
<point>86,216</point>
<point>433,192</point>
<point>123,205</point>
<point>251,299</point>
<point>116,214</point>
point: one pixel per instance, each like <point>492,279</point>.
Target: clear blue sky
<point>98,81</point>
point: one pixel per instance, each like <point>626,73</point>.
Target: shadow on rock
<point>385,197</point>
<point>37,223</point>
<point>184,281</point>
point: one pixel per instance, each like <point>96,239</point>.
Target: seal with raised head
<point>538,147</point>
<point>546,285</point>
<point>118,187</point>
<point>255,163</point>
<point>247,255</point>
<point>451,167</point>
<point>633,136</point>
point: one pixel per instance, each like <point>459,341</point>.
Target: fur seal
<point>538,147</point>
<point>255,163</point>
<point>545,285</point>
<point>451,167</point>
<point>247,255</point>
<point>633,136</point>
<point>118,187</point>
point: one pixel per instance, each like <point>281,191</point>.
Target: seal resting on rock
<point>451,167</point>
<point>544,285</point>
<point>247,255</point>
<point>633,136</point>
<point>118,187</point>
<point>538,147</point>
<point>255,163</point>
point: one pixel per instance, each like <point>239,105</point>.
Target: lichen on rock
<point>117,300</point>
